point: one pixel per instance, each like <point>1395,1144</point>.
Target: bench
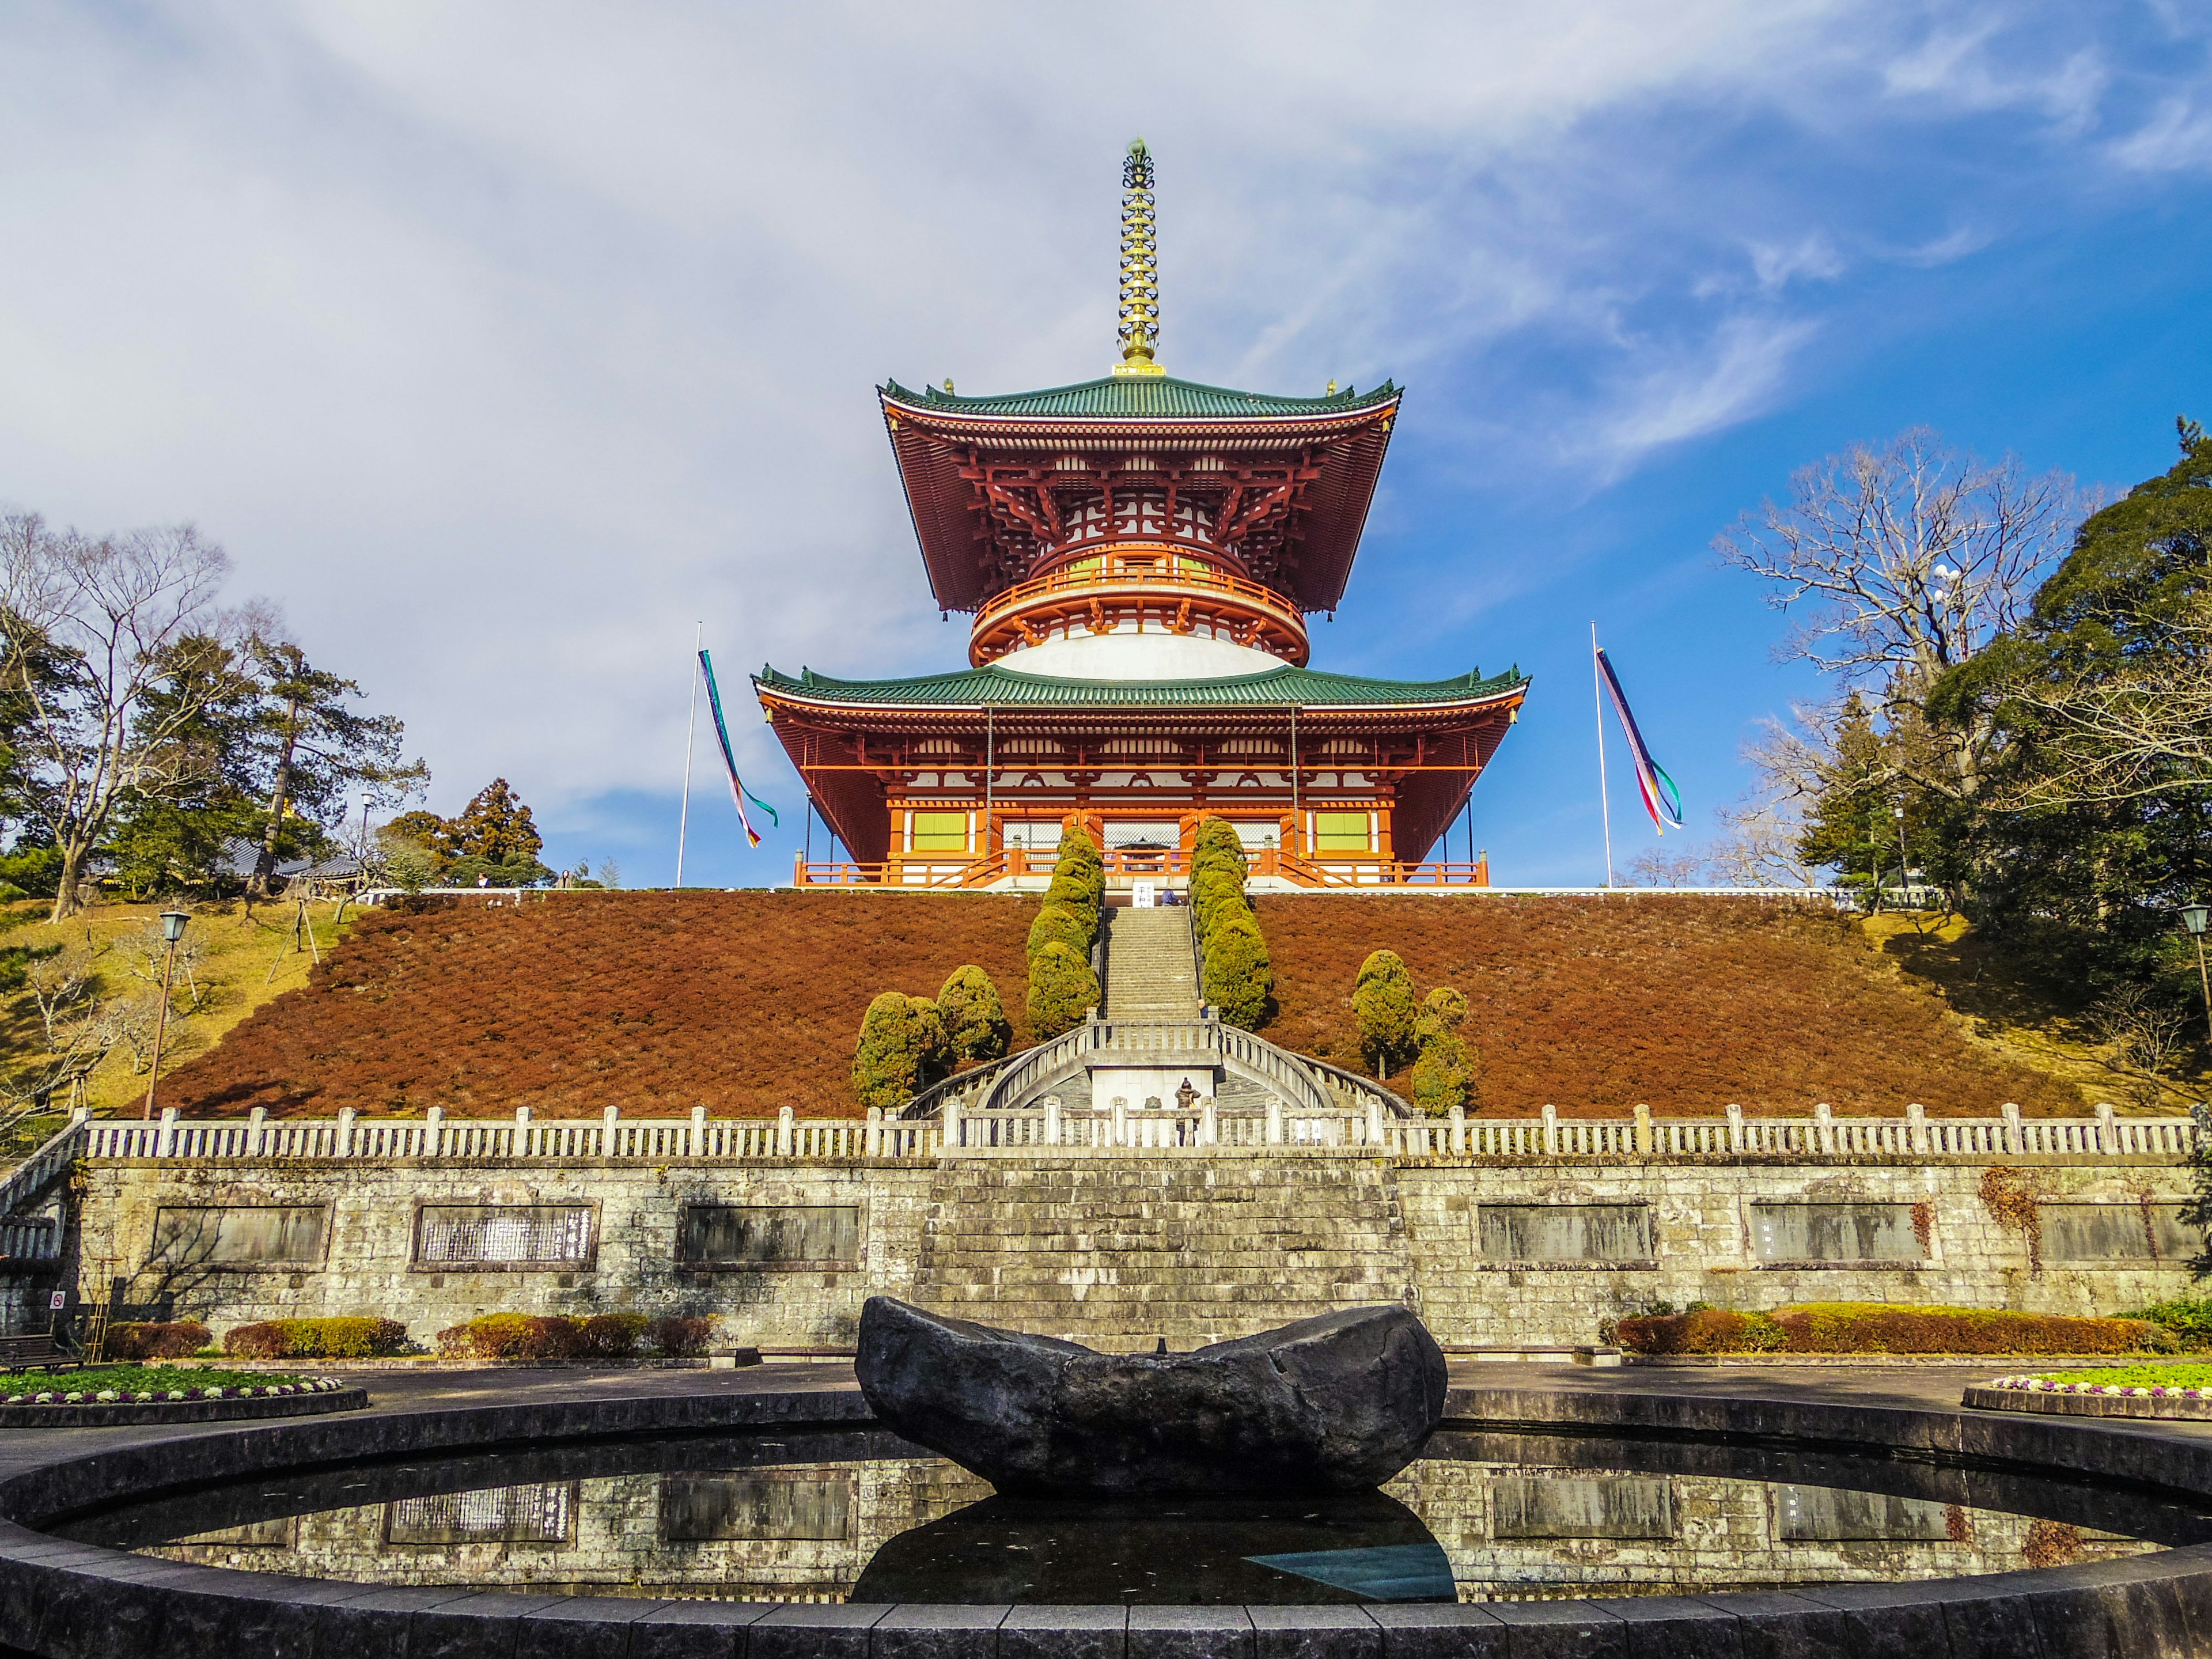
<point>30,1354</point>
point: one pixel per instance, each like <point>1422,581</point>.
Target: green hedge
<point>557,1336</point>
<point>354,1338</point>
<point>1062,988</point>
<point>1062,924</point>
<point>1882,1327</point>
<point>155,1339</point>
<point>902,1044</point>
<point>975,1020</point>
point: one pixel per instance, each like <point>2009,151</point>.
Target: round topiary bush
<point>975,1023</point>
<point>902,1042</point>
<point>1062,988</point>
<point>1079,874</point>
<point>1061,924</point>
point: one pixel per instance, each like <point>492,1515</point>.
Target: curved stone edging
<point>69,1601</point>
<point>120,1413</point>
<point>2170,1407</point>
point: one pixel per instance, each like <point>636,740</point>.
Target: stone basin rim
<point>2158,1604</point>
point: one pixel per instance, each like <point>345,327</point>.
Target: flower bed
<point>1882,1327</point>
<point>153,1385</point>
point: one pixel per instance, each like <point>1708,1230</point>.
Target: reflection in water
<point>838,1515</point>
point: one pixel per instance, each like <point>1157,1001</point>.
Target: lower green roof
<point>999,688</point>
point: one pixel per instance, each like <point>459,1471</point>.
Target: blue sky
<point>499,343</point>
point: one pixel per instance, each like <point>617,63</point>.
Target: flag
<point>738,792</point>
<point>1661,798</point>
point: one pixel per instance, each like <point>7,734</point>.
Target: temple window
<point>939,832</point>
<point>1341,832</point>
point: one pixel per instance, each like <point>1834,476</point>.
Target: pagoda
<point>1141,555</point>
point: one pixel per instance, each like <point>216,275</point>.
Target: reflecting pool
<point>864,1516</point>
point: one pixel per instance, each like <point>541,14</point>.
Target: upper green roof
<point>1140,396</point>
<point>1277,686</point>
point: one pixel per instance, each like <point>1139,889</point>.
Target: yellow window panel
<point>940,832</point>
<point>1340,832</point>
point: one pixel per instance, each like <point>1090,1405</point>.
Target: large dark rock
<point>1331,1404</point>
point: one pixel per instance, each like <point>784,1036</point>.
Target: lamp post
<point>172,929</point>
<point>1903,875</point>
<point>2196,918</point>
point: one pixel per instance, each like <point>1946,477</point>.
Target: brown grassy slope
<point>654,1002</point>
<point>1595,1004</point>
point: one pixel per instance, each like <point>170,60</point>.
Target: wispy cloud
<point>1736,373</point>
<point>2178,138</point>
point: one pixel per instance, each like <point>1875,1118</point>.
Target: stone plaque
<point>765,1235</point>
<point>1833,1232</point>
<point>541,1512</point>
<point>242,1236</point>
<point>466,1235</point>
<point>1563,1232</point>
<point>699,1509</point>
<point>1808,1514</point>
<point>1583,1506</point>
<point>2117,1232</point>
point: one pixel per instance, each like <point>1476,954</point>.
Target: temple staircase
<point>1152,973</point>
<point>1117,1253</point>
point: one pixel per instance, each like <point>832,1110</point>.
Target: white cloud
<point>1811,255</point>
<point>2178,138</point>
<point>1728,379</point>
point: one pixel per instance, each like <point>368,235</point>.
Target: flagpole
<point>690,742</point>
<point>1604,800</point>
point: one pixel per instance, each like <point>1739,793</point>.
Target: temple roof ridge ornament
<point>1139,328</point>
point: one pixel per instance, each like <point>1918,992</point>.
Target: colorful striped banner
<point>739,793</point>
<point>1661,798</point>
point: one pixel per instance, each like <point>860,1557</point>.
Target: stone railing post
<point>521,1146</point>
<point>1053,1133</point>
<point>345,1131</point>
<point>1644,1131</point>
<point>949,1117</point>
<point>2015,1134</point>
<point>1375,1123</point>
<point>165,1138</point>
<point>875,1141</point>
<point>433,1132</point>
<point>1735,1127</point>
<point>2108,1129</point>
<point>1458,1129</point>
<point>1551,1130</point>
<point>257,1129</point>
<point>784,1127</point>
<point>611,1132</point>
<point>1915,1126</point>
<point>1823,1127</point>
<point>1274,1120</point>
<point>1120,1121</point>
<point>697,1143</point>
<point>1209,1124</point>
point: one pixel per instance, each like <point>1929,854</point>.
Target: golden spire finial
<point>1140,275</point>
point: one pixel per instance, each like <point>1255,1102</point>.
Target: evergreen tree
<point>1382,999</point>
<point>975,1024</point>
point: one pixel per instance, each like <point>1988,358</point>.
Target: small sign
<point>1143,896</point>
<point>58,1301</point>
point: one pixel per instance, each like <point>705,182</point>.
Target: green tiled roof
<point>1140,396</point>
<point>1276,687</point>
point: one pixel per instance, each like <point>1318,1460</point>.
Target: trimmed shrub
<point>1061,924</point>
<point>1442,1010</point>
<point>513,1336</point>
<point>1216,847</point>
<point>902,1043</point>
<point>1239,979</point>
<point>680,1338</point>
<point>1882,1327</point>
<point>350,1338</point>
<point>2186,1320</point>
<point>1383,998</point>
<point>1444,1076</point>
<point>155,1339</point>
<point>1216,894</point>
<point>975,1023</point>
<point>609,1335</point>
<point>1079,874</point>
<point>1062,988</point>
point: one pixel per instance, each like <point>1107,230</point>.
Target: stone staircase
<point>1119,1252</point>
<point>1149,971</point>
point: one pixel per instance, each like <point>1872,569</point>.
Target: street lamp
<point>172,929</point>
<point>2196,918</point>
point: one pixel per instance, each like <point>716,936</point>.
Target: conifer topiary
<point>1445,1074</point>
<point>1240,979</point>
<point>1216,893</point>
<point>1062,989</point>
<point>1061,924</point>
<point>975,1023</point>
<point>902,1044</point>
<point>1382,999</point>
<point>1079,874</point>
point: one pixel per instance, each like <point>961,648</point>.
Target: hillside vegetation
<point>1598,1005</point>
<point>743,1002</point>
<point>740,1002</point>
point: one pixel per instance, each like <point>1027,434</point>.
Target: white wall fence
<point>612,1137</point>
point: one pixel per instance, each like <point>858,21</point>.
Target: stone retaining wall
<point>782,1252</point>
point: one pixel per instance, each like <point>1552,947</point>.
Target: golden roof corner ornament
<point>1139,328</point>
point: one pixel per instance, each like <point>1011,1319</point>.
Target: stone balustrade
<point>1277,1129</point>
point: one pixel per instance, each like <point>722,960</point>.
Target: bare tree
<point>89,628</point>
<point>1902,563</point>
<point>1757,847</point>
